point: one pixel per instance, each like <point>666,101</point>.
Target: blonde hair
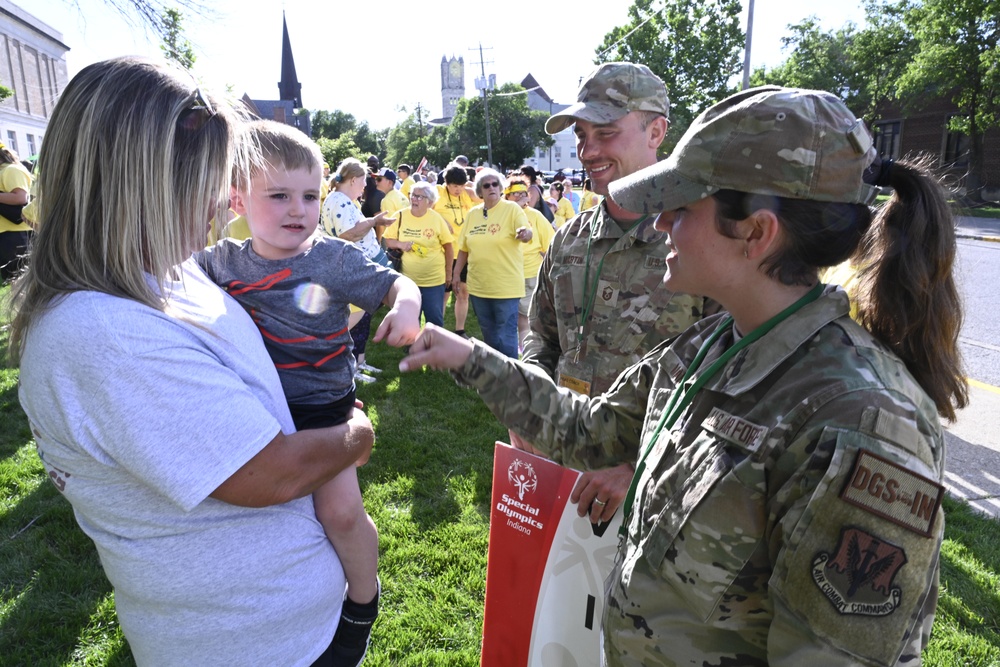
<point>135,163</point>
<point>279,145</point>
<point>348,169</point>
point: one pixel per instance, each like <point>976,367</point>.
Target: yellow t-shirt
<point>454,210</point>
<point>406,185</point>
<point>589,200</point>
<point>394,201</point>
<point>541,237</point>
<point>564,211</point>
<point>424,262</point>
<point>496,257</point>
<point>12,177</point>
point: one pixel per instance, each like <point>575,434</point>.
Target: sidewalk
<point>972,454</point>
<point>978,229</point>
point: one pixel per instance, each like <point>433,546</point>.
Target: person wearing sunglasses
<point>428,249</point>
<point>491,244</point>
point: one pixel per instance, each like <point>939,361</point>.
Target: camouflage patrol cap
<point>610,92</point>
<point>784,142</point>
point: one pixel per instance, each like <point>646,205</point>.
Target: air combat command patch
<point>857,579</point>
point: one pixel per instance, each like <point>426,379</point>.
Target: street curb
<point>973,237</point>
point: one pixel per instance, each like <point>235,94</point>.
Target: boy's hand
<point>400,326</point>
<point>437,348</point>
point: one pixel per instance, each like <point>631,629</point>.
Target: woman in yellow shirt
<point>564,209</point>
<point>491,243</point>
<point>426,242</point>
<point>15,183</point>
<point>453,204</point>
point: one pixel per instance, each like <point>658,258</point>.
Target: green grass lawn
<point>428,489</point>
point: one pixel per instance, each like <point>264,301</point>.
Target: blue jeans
<point>432,304</point>
<point>498,320</point>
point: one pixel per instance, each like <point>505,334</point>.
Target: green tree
<point>5,92</point>
<point>695,46</point>
<point>413,140</point>
<point>958,57</point>
<point>862,67</point>
<point>336,150</point>
<point>174,45</point>
<point>515,130</point>
<point>332,124</point>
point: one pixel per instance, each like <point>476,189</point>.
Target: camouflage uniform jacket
<point>791,517</point>
<point>632,310</point>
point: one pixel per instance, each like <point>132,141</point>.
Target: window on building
<point>558,152</point>
<point>572,154</point>
<point>12,140</point>
<point>887,138</point>
<point>31,145</point>
<point>956,148</point>
<point>541,152</point>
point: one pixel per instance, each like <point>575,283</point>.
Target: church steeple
<point>289,87</point>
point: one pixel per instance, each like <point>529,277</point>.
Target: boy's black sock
<point>350,642</point>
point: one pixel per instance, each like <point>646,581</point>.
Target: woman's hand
<point>437,348</point>
<point>406,246</point>
<point>523,234</point>
<point>382,219</point>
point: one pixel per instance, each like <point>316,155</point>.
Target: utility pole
<point>746,54</point>
<point>483,83</point>
<point>420,120</point>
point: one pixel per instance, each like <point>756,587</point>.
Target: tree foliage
<point>695,46</point>
<point>149,14</point>
<point>174,45</point>
<point>5,92</point>
<point>515,130</point>
<point>861,67</point>
<point>958,57</point>
<point>334,125</point>
<point>413,139</point>
<point>336,150</point>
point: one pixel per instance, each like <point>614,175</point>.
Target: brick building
<point>899,133</point>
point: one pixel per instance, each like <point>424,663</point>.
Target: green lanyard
<point>591,286</point>
<point>681,398</point>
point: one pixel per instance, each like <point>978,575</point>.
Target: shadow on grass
<point>430,430</point>
<point>53,584</point>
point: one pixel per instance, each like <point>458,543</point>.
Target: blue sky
<point>372,64</point>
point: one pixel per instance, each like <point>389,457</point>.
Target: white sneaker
<point>369,369</point>
<point>362,378</point>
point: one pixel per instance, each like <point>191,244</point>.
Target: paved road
<point>972,461</point>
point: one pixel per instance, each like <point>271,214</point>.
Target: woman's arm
<point>449,258</point>
<point>293,466</point>
<point>360,230</point>
<point>16,197</point>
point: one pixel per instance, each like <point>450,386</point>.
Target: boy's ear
<point>236,201</point>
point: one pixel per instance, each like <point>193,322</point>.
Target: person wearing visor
<point>785,508</point>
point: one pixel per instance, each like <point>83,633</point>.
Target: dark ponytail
<point>906,294</point>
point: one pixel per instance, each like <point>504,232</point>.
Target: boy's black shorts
<point>324,414</point>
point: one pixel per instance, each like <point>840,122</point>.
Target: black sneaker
<point>350,641</point>
<point>461,332</point>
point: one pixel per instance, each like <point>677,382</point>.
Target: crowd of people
<point>665,330</point>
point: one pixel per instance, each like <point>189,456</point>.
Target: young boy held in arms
<point>296,284</point>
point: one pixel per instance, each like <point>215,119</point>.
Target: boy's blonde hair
<point>135,162</point>
<point>280,146</point>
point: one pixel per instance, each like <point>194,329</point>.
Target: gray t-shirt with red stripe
<point>300,306</point>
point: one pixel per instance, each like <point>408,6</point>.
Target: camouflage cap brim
<point>589,111</point>
<point>781,142</point>
<point>659,187</point>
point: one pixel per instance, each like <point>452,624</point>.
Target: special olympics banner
<point>546,567</point>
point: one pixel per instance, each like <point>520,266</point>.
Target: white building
<point>562,154</point>
<point>33,65</point>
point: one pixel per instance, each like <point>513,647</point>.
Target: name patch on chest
<point>894,493</point>
<point>735,429</point>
